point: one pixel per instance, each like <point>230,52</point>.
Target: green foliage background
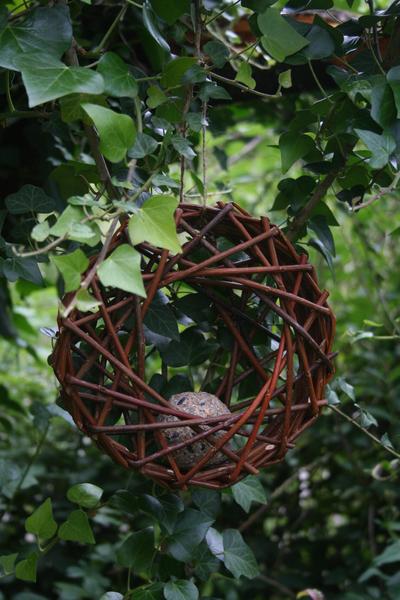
<point>323,524</point>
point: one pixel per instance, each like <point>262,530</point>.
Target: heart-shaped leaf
<point>77,528</point>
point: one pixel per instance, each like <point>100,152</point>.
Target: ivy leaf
<point>170,10</point>
<point>160,319</point>
<point>86,495</point>
<point>190,529</point>
<point>41,231</point>
<point>393,78</point>
<point>218,53</point>
<point>77,528</point>
<point>183,147</point>
<point>41,522</point>
<point>238,558</point>
<point>285,79</point>
<point>46,30</point>
<point>122,270</point>
<point>118,80</point>
<point>26,569</point>
<point>86,302</point>
<point>117,132</point>
<point>137,550</point>
<point>143,146</point>
<point>30,199</point>
<point>293,147</point>
<point>152,28</point>
<point>155,96</point>
<point>71,267</point>
<point>383,109</point>
<point>391,554</point>
<point>7,562</point>
<point>380,146</point>
<point>192,349</point>
<point>154,223</point>
<point>175,70</point>
<point>208,501</point>
<point>321,228</point>
<point>180,589</point>
<point>24,268</point>
<point>69,224</point>
<point>46,78</point>
<point>247,491</point>
<point>244,75</point>
<point>320,43</point>
<point>279,38</point>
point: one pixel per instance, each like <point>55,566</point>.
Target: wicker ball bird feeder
<point>254,327</point>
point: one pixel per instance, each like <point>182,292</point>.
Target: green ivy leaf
<point>380,146</point>
<point>320,43</point>
<point>183,147</point>
<point>137,550</point>
<point>71,267</point>
<point>118,80</point>
<point>293,147</point>
<point>244,75</point>
<point>41,231</point>
<point>218,53</point>
<point>170,10</point>
<point>117,132</point>
<point>279,38</point>
<point>154,223</point>
<point>208,501</point>
<point>391,554</point>
<point>24,268</point>
<point>175,70</point>
<point>393,78</point>
<point>190,529</point>
<point>247,491</point>
<point>69,224</point>
<point>180,589</point>
<point>238,558</point>
<point>191,349</point>
<point>77,528</point>
<point>86,302</point>
<point>41,522</point>
<point>86,495</point>
<point>26,569</point>
<point>150,24</point>
<point>143,146</point>
<point>285,79</point>
<point>122,270</point>
<point>155,96</point>
<point>383,108</point>
<point>46,78</point>
<point>30,199</point>
<point>160,319</point>
<point>46,30</point>
<point>7,562</point>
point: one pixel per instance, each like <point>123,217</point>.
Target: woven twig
<point>280,332</point>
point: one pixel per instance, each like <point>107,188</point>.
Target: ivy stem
<point>110,31</point>
<point>319,84</point>
<point>204,151</point>
<point>363,429</point>
<point>243,87</point>
<point>221,12</point>
<point>8,93</point>
<point>28,467</point>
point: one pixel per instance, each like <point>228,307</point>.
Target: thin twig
<point>364,430</point>
<point>243,87</point>
<point>319,193</point>
<point>382,192</point>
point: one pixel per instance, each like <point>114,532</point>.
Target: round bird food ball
<point>200,404</point>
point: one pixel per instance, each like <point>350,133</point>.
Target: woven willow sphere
<point>255,331</point>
